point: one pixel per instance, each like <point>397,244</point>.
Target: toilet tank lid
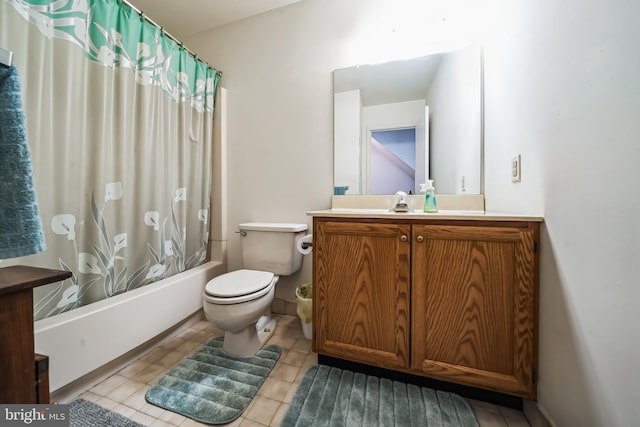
<point>287,227</point>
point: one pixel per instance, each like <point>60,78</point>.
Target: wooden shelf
<point>17,355</point>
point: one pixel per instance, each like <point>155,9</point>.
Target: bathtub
<point>82,340</point>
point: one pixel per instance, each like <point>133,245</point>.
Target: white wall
<point>455,122</point>
<point>562,89</point>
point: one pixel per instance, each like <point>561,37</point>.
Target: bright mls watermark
<point>34,415</point>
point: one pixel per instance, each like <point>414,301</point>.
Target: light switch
<point>515,168</point>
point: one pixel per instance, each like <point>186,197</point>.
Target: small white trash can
<point>304,295</point>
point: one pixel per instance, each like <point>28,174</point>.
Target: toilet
<point>239,302</point>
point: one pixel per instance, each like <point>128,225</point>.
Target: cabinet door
<point>474,306</point>
<point>361,292</point>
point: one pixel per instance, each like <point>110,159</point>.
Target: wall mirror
<point>400,123</point>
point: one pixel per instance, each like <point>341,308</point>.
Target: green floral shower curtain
<point>119,122</point>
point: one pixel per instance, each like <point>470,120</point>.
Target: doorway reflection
<point>393,160</point>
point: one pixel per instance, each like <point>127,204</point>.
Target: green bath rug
<point>212,386</point>
<point>334,397</point>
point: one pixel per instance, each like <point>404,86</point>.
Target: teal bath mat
<point>334,397</point>
<point>212,386</point>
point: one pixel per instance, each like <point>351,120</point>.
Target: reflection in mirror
<point>400,123</point>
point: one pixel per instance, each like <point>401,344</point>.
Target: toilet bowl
<point>239,302</point>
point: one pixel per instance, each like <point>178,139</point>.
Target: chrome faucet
<point>401,203</point>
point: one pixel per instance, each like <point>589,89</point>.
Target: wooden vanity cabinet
<point>450,300</point>
<point>361,291</point>
<point>473,305</point>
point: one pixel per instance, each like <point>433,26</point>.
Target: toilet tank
<point>269,246</point>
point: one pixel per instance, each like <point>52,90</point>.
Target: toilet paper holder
<point>305,244</point>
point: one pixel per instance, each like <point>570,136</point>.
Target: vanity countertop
<point>417,214</point>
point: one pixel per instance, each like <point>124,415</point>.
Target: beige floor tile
<point>490,419</point>
<point>191,423</point>
<point>92,397</point>
<point>295,323</point>
<point>107,403</point>
<point>151,410</point>
<point>235,423</point>
<point>297,334</point>
<point>285,372</point>
<point>275,389</point>
<point>279,416</point>
<point>154,355</point>
<point>517,422</point>
<point>263,410</point>
<point>172,418</point>
<point>288,398</point>
<point>486,406</point>
<point>161,423</point>
<point>124,410</point>
<point>173,344</point>
<point>188,334</point>
<point>512,413</point>
<point>204,336</point>
<point>142,418</point>
<point>312,359</point>
<point>283,341</point>
<point>301,374</point>
<point>151,374</point>
<point>137,400</point>
<point>213,331</point>
<point>202,324</point>
<point>285,320</point>
<point>108,385</point>
<point>293,357</point>
<point>170,359</point>
<point>134,369</point>
<point>249,423</point>
<point>303,345</point>
<point>124,390</point>
<point>189,347</point>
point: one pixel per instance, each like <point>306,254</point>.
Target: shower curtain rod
<point>6,57</point>
<point>152,22</point>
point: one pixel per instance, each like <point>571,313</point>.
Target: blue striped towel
<point>20,225</point>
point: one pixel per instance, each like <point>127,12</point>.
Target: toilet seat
<point>239,286</point>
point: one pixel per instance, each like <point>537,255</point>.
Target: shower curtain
<point>119,123</point>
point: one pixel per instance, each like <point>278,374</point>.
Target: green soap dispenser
<point>429,192</point>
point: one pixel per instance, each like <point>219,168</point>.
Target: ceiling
<point>186,17</point>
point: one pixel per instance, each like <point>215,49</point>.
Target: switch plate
<point>515,168</point>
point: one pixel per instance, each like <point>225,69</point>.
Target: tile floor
<point>124,391</point>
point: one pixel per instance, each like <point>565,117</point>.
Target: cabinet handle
<point>420,239</point>
<point>403,238</point>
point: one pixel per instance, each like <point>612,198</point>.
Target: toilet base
<point>251,339</point>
